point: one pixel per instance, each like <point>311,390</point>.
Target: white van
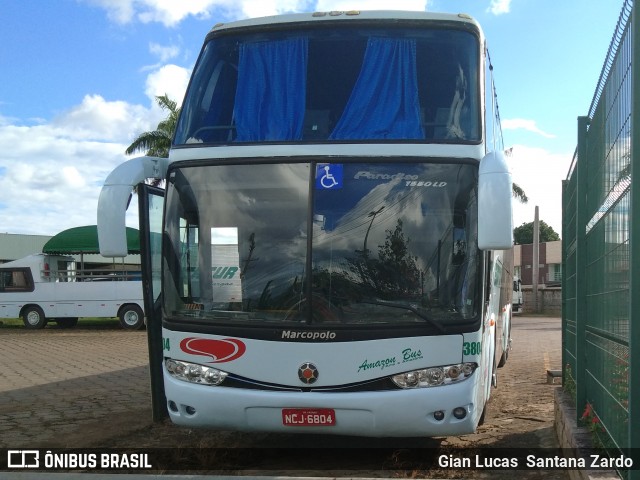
<point>41,288</point>
<point>517,303</point>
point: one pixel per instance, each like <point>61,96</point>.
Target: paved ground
<point>52,380</point>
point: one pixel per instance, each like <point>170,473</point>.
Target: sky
<point>78,80</point>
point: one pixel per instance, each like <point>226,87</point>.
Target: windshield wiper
<point>411,309</point>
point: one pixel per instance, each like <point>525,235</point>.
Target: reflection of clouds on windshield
<point>418,207</point>
<point>350,229</point>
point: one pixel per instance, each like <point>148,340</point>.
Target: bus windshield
<point>356,243</point>
<point>334,83</point>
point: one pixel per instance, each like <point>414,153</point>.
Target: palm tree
<point>158,142</point>
<point>518,192</point>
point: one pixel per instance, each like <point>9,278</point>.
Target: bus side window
<point>15,281</point>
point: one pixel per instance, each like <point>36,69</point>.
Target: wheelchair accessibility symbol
<point>328,176</point>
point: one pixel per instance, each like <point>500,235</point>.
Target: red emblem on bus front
<point>220,351</point>
<point>308,373</point>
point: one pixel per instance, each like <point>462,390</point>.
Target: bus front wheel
<point>33,317</point>
<point>131,317</point>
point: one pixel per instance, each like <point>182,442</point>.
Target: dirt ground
<point>520,416</point>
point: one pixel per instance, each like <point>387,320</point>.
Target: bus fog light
<point>190,410</point>
<point>194,373</point>
<point>439,415</point>
<point>172,406</point>
<point>460,412</point>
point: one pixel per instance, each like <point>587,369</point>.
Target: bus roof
<point>347,15</point>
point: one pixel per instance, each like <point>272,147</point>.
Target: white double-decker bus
<point>333,252</point>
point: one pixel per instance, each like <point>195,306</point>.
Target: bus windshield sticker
<point>225,269</point>
<point>329,176</point>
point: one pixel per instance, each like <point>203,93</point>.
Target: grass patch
<point>89,322</point>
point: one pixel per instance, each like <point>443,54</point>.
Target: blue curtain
<point>384,102</point>
<point>271,93</point>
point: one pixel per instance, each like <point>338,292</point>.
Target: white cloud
<point>540,174</point>
<point>263,8</point>
<point>171,12</point>
<point>50,179</point>
<point>524,124</point>
<point>119,11</point>
<point>98,119</point>
<point>498,7</point>
<point>167,12</point>
<point>165,53</point>
<point>169,79</point>
<point>328,5</point>
<point>51,174</point>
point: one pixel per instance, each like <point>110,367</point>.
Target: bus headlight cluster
<point>435,376</point>
<point>194,373</point>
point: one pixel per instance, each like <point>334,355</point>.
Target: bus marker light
<point>460,412</point>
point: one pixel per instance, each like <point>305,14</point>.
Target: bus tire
<point>505,353</point>
<point>67,322</point>
<point>483,415</point>
<point>33,317</point>
<point>131,317</point>
<point>504,358</point>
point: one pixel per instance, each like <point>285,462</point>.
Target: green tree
<point>158,142</point>
<point>524,233</point>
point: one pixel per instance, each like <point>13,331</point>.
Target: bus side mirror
<point>115,197</point>
<point>495,197</point>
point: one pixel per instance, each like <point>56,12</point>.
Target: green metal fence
<point>601,250</point>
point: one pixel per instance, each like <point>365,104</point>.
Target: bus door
<point>151,207</point>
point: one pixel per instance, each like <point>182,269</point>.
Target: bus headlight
<point>194,373</point>
<point>432,377</point>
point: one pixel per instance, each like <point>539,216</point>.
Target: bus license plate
<point>308,417</point>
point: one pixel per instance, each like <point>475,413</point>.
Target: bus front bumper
<point>398,413</point>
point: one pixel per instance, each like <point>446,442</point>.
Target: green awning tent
<point>84,240</point>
